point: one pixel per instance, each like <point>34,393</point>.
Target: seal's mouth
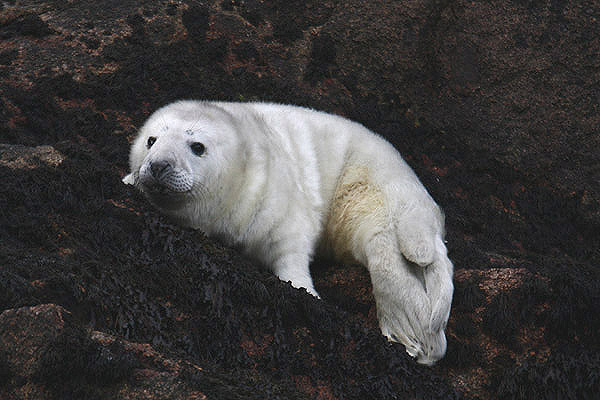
<point>155,188</point>
<point>164,197</point>
<point>162,193</point>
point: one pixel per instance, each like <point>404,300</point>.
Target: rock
<point>46,355</point>
<point>494,104</point>
<point>19,157</point>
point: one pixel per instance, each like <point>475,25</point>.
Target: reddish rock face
<point>43,347</point>
<point>494,104</point>
<point>26,331</point>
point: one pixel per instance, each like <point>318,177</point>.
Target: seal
<point>284,183</point>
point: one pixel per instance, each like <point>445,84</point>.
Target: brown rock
<point>25,333</point>
<point>19,157</point>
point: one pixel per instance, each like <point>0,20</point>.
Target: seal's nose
<point>158,168</point>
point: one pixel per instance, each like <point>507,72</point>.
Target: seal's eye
<point>197,148</point>
<point>150,141</point>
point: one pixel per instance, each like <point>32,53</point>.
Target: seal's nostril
<point>158,168</point>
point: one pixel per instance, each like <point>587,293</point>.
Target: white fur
<point>281,181</point>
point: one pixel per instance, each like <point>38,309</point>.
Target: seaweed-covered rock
<point>494,104</point>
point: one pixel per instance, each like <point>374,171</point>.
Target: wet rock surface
<point>494,104</point>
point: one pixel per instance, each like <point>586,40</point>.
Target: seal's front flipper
<point>294,268</point>
<point>129,179</point>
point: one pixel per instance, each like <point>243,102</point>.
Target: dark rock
<point>322,59</point>
<point>561,376</point>
<point>495,106</point>
<point>7,57</point>
<point>196,19</point>
<point>25,333</point>
<point>27,25</point>
<point>246,51</point>
<point>43,351</point>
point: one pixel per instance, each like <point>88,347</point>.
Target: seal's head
<point>181,152</point>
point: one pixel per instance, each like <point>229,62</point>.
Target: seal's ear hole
<point>198,148</point>
<point>150,141</point>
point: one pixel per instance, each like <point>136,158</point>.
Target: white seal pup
<point>281,181</point>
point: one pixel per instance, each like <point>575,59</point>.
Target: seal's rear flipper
<point>404,308</point>
<point>438,280</point>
